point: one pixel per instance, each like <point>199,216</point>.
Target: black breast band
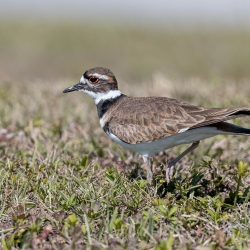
<point>103,106</point>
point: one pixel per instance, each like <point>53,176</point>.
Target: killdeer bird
<point>149,125</point>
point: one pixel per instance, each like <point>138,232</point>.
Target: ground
<point>65,185</point>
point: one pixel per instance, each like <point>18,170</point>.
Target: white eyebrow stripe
<point>103,77</point>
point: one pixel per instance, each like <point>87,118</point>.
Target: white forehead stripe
<point>83,80</point>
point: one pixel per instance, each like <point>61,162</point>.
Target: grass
<point>65,185</point>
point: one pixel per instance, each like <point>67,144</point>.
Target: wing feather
<point>144,119</point>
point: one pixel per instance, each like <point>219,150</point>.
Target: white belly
<point>154,147</point>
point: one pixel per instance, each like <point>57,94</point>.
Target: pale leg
<point>147,162</point>
<point>171,164</point>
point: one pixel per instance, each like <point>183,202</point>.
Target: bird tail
<point>229,128</point>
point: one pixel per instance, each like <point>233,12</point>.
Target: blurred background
<point>195,51</point>
<point>55,40</point>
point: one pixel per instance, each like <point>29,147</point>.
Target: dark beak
<point>76,87</point>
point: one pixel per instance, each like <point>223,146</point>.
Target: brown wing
<point>145,119</point>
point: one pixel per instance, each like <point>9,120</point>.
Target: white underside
<point>154,147</point>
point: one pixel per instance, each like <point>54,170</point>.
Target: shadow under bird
<point>149,125</point>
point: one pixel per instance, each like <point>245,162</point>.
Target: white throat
<point>102,96</point>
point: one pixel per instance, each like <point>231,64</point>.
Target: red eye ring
<point>93,80</point>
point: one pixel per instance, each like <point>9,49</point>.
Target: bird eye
<point>93,79</point>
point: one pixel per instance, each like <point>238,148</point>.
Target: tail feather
<point>241,113</point>
<point>231,128</point>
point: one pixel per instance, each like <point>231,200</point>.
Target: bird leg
<point>171,164</point>
<point>147,162</point>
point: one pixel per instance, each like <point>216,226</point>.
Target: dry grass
<point>59,181</point>
<point>60,187</point>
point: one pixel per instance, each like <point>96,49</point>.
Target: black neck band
<point>104,105</point>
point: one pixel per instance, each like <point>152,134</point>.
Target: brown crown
<point>112,82</point>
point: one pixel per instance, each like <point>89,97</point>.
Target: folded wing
<point>145,119</point>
